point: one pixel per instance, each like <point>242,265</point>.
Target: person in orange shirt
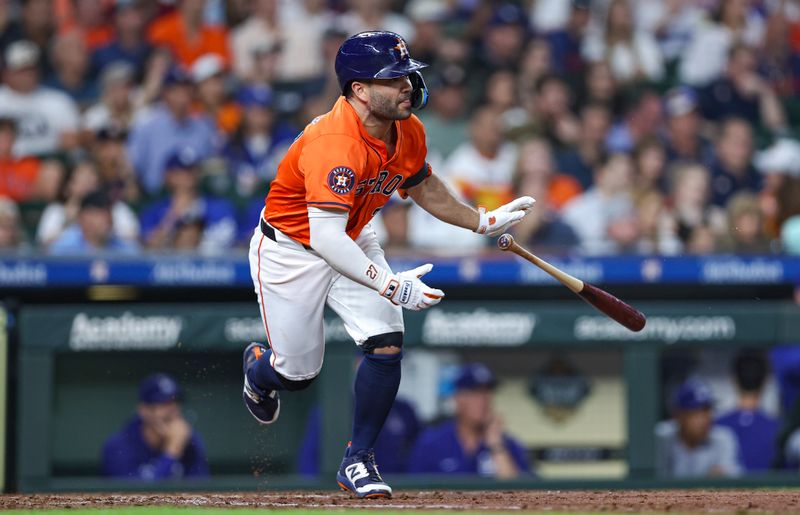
<point>314,245</point>
<point>185,34</point>
<point>18,176</point>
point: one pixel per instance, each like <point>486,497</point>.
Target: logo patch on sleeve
<point>341,180</point>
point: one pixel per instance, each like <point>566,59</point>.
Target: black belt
<point>268,231</point>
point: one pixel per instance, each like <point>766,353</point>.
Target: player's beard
<point>388,109</point>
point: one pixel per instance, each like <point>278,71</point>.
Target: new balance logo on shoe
<point>355,472</point>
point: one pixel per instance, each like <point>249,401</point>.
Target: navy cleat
<point>358,474</point>
<point>264,405</point>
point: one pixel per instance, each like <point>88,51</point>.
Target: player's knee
<point>295,385</point>
<point>386,343</point>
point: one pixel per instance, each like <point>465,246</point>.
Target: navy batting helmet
<point>380,55</point>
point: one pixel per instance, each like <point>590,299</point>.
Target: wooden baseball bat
<point>606,303</point>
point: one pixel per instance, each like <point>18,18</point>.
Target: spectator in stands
<point>260,29</point>
<point>446,118</point>
<point>36,24</point>
<point>128,43</point>
<point>428,19</point>
<point>116,105</point>
<point>600,87</point>
<point>672,23</point>
<point>208,74</point>
<point>170,125</point>
<point>603,217</point>
<point>65,213</point>
<point>733,22</point>
<point>683,139</point>
<point>158,443</point>
<point>482,167</point>
<point>745,226</point>
<point>501,42</point>
<point>755,430</point>
<point>565,43</point>
<point>114,169</point>
<point>392,446</point>
<point>690,445</point>
<point>741,92</point>
<point>550,114</point>
<point>12,235</point>
<point>780,196</point>
<point>177,219</point>
<point>19,177</point>
<point>642,119</point>
<point>690,218</point>
<point>375,15</point>
<point>501,90</point>
<point>87,19</point>
<point>731,167</point>
<point>474,441</point>
<point>650,160</point>
<point>632,54</point>
<point>47,120</point>
<point>655,236</point>
<point>536,62</point>
<point>71,69</point>
<point>302,39</point>
<point>185,33</point>
<point>259,143</point>
<point>93,231</point>
<point>535,176</point>
<point>588,153</point>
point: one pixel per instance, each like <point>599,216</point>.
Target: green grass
<point>181,510</point>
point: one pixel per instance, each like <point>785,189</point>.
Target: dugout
<point>82,362</point>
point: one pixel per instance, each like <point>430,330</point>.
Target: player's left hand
<point>494,223</point>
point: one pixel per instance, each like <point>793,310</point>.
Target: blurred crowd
<point>649,126</point>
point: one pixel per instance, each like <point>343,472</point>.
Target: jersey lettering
<point>392,185</point>
<point>381,177</point>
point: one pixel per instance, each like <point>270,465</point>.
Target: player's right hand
<point>406,289</point>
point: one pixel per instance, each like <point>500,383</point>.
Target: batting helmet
<point>380,55</point>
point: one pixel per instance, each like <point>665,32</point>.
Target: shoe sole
<point>379,495</point>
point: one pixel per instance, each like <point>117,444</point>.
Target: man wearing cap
<point>690,445</point>
<point>260,141</point>
<point>683,139</point>
<point>158,443</point>
<point>211,99</point>
<point>128,45</point>
<point>47,120</point>
<point>116,106</point>
<point>162,220</point>
<point>473,442</point>
<point>93,233</point>
<point>168,126</point>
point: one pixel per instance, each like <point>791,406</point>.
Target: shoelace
<point>372,467</point>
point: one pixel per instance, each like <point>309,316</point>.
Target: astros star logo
<point>402,48</point>
<point>341,180</point>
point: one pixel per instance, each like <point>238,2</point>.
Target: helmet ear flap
<point>419,95</point>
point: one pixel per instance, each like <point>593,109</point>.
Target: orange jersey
<point>336,164</point>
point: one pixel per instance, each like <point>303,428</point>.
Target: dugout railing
<point>77,365</point>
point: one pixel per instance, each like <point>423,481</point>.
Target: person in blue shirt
<point>158,443</point>
<point>392,446</point>
<point>188,219</point>
<point>259,143</point>
<point>473,441</point>
<point>755,430</point>
<point>93,232</point>
<point>157,132</point>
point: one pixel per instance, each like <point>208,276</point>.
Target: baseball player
<point>314,244</point>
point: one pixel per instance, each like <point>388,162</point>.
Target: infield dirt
<point>685,501</point>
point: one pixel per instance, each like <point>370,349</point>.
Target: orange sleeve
<point>331,167</point>
<point>415,155</point>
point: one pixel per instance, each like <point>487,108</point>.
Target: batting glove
<point>405,289</point>
<point>494,223</point>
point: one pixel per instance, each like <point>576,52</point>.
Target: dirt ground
<point>774,501</point>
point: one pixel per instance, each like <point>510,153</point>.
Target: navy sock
<point>263,376</point>
<point>377,381</point>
